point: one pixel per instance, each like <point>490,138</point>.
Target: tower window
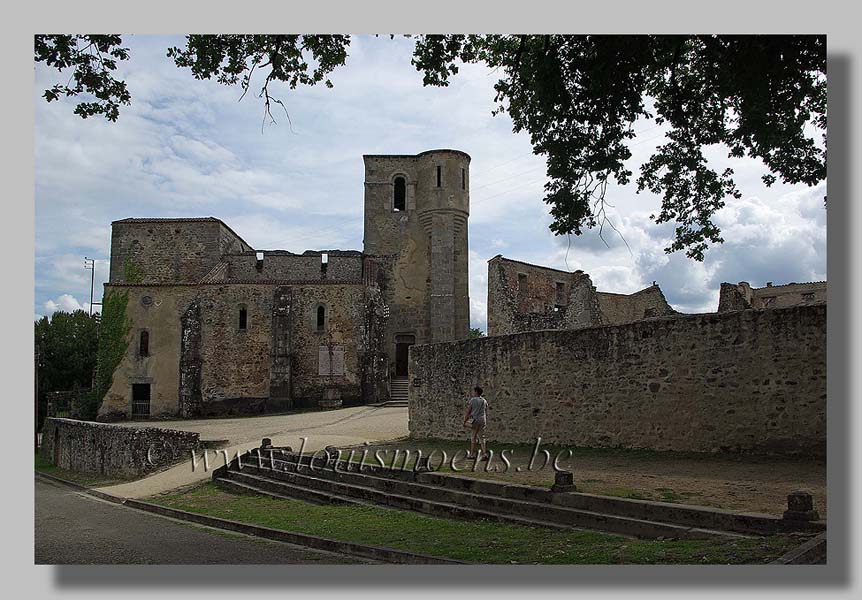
<point>399,200</point>
<point>243,318</point>
<point>321,318</point>
<point>324,263</point>
<point>463,179</point>
<point>439,175</point>
<point>144,344</point>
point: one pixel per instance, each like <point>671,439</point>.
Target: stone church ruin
<point>218,327</point>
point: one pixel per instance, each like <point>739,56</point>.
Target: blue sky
<point>189,148</point>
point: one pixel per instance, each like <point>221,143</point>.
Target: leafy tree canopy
<point>577,96</point>
<point>66,346</point>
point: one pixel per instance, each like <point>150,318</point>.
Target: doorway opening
<point>402,345</point>
<point>140,400</point>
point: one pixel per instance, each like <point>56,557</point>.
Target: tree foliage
<point>92,60</point>
<point>232,59</point>
<point>578,97</point>
<point>66,346</point>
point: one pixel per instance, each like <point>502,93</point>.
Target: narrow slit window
<point>399,200</point>
<point>144,344</point>
<point>321,318</point>
<point>324,263</point>
<point>463,179</point>
<point>439,175</point>
<point>243,318</point>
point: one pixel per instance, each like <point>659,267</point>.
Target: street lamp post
<point>90,263</point>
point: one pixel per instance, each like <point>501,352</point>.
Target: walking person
<point>476,416</point>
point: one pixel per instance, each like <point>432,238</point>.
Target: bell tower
<point>416,211</point>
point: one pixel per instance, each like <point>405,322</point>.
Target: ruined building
<point>742,295</point>
<point>218,327</point>
<point>525,297</point>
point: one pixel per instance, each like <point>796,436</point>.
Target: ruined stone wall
<point>201,363</point>
<point>235,362</point>
<point>167,250</point>
<point>113,450</point>
<point>745,381</point>
<point>730,298</point>
<point>281,266</point>
<point>625,308</point>
<point>771,296</point>
<point>345,309</point>
<point>525,297</point>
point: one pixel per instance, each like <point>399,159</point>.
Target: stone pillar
<point>800,507</point>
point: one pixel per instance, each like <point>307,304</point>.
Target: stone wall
<point>235,361</point>
<point>202,363</point>
<point>745,381</point>
<point>168,250</point>
<point>285,267</point>
<point>114,450</point>
<point>625,308</point>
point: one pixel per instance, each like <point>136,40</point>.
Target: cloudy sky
<point>189,148</point>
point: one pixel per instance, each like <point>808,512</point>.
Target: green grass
<point>44,466</point>
<point>474,541</point>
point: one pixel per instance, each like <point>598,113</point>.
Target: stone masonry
<point>526,297</point>
<point>113,450</point>
<point>749,381</point>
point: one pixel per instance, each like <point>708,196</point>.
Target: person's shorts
<point>478,424</point>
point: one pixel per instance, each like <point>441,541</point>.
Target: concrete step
<point>424,498</point>
<point>666,512</point>
<point>275,488</point>
<point>697,517</point>
<point>440,509</point>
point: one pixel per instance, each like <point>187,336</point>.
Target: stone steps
<point>399,389</point>
<point>441,500</point>
<point>261,485</point>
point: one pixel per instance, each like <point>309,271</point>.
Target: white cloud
<point>66,303</point>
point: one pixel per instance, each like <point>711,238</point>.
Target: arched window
<point>243,318</point>
<point>144,344</point>
<point>399,200</point>
<point>321,318</point>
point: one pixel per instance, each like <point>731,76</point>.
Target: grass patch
<point>475,541</point>
<point>42,465</point>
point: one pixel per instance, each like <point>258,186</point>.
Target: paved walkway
<point>72,528</point>
<point>343,427</point>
